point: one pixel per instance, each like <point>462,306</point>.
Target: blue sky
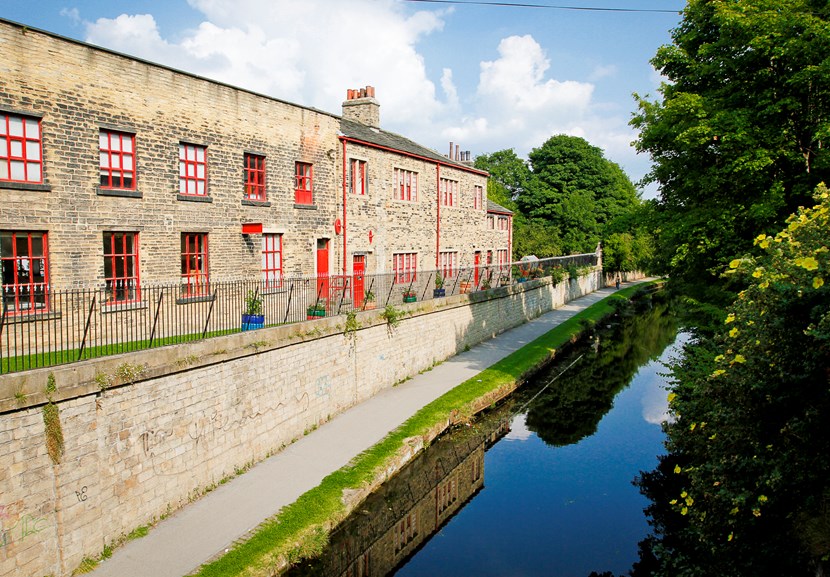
<point>485,77</point>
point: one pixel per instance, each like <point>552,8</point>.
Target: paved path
<point>182,542</point>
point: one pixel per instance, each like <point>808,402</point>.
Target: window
<point>255,177</point>
<point>448,189</point>
<point>503,223</point>
<point>271,261</point>
<point>20,149</point>
<point>357,177</point>
<point>121,267</point>
<point>194,264</point>
<point>446,494</point>
<point>448,264</point>
<point>501,257</point>
<point>192,170</point>
<point>491,222</point>
<point>117,160</point>
<point>303,183</point>
<point>405,266</point>
<point>406,530</point>
<point>478,197</point>
<point>25,271</point>
<point>406,185</point>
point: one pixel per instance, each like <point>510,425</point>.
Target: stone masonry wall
<point>147,432</point>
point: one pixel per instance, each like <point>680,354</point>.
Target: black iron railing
<point>75,324</point>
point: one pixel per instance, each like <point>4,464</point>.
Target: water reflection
<point>559,498</point>
<point>397,519</point>
<point>571,410</point>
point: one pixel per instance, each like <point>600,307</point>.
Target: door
<point>322,270</point>
<point>476,265</point>
<point>358,270</point>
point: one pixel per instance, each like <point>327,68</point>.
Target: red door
<point>358,270</point>
<point>476,264</point>
<point>322,269</point>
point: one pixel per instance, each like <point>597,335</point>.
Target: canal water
<point>541,485</point>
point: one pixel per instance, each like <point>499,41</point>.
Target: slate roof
<point>493,207</point>
<point>379,137</point>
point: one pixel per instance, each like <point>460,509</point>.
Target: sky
<point>485,77</point>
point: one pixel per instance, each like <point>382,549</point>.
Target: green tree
<point>739,139</point>
<point>750,442</point>
<point>577,190</point>
<point>509,175</point>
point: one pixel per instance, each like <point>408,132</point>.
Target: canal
<point>539,486</point>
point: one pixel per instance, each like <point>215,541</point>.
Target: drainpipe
<point>438,213</point>
<point>345,189</point>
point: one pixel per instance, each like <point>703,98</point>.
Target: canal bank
<point>306,479</point>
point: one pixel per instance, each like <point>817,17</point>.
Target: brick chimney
<point>360,106</point>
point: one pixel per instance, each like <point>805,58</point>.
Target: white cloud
<point>518,429</point>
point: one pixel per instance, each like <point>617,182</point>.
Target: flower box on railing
<point>317,312</point>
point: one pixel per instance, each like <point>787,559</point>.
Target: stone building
<point>118,172</point>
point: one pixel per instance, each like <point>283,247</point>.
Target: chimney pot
<point>370,91</point>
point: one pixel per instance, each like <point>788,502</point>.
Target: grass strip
<point>299,529</point>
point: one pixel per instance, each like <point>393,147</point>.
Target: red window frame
<point>255,177</point>
<point>406,185</point>
<point>503,223</point>
<point>449,191</point>
<point>195,272</point>
<point>121,267</point>
<point>25,271</point>
<point>405,266</point>
<point>448,264</point>
<point>478,197</point>
<point>116,152</point>
<point>21,149</point>
<point>303,183</point>
<point>357,176</point>
<point>491,222</point>
<point>193,170</point>
<point>272,266</point>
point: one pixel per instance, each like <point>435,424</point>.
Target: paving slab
<point>179,544</point>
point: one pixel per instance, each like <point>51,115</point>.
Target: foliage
<point>577,190</point>
<point>52,423</point>
<point>439,280</point>
<point>750,444</point>
<point>393,317</point>
<point>739,139</point>
<point>253,303</point>
<point>509,175</point>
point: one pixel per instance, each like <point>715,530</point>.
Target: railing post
<point>288,306</point>
<point>424,295</point>
<point>156,318</point>
<point>371,284</point>
<point>210,312</point>
<point>86,327</point>
<point>343,296</point>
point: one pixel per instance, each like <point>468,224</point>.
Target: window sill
<point>122,192</point>
<point>193,198</point>
<point>25,186</point>
<point>262,203</point>
<point>194,299</point>
<point>119,307</point>
<point>305,206</point>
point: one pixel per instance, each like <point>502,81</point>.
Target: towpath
<point>180,543</point>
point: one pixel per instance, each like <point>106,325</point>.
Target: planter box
<point>252,322</point>
<point>312,314</point>
<point>438,293</point>
<point>409,298</point>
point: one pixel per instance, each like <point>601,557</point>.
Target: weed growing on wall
<point>52,423</point>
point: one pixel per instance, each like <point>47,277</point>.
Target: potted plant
<point>252,317</point>
<point>409,296</point>
<point>316,311</point>
<point>369,301</point>
<point>439,290</point>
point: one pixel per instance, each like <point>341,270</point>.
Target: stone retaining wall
<point>146,432</point>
